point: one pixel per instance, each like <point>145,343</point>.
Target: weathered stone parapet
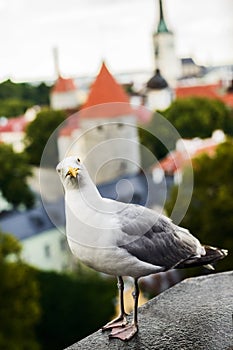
<point>196,314</point>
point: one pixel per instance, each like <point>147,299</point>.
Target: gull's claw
<point>125,333</point>
<point>118,322</point>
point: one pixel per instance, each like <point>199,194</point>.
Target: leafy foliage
<point>151,143</point>
<point>73,307</point>
<point>158,138</point>
<point>38,133</point>
<point>13,177</point>
<point>16,98</point>
<point>12,107</point>
<point>199,117</point>
<point>19,307</point>
<point>48,310</point>
<point>191,117</point>
<point>209,215</point>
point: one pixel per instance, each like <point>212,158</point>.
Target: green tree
<point>13,177</point>
<point>8,89</point>
<point>37,94</point>
<point>19,307</point>
<point>159,137</point>
<point>42,94</point>
<point>73,307</point>
<point>24,94</point>
<point>209,215</point>
<point>38,133</point>
<point>199,117</point>
<point>12,107</point>
<point>191,117</point>
<point>149,138</point>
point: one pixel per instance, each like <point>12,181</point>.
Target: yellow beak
<point>72,172</point>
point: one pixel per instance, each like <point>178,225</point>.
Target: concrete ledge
<point>195,314</point>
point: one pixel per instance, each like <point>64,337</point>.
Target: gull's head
<point>71,172</point>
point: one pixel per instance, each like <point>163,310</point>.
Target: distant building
<point>164,50</point>
<point>12,130</point>
<point>64,94</point>
<point>189,69</point>
<point>213,91</point>
<point>43,245</point>
<point>104,133</point>
<point>158,94</point>
<point>186,150</point>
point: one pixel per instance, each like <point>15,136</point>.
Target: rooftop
<point>106,90</point>
<point>187,150</point>
<point>157,82</point>
<point>32,222</point>
<point>63,85</point>
<point>17,124</point>
<point>210,91</point>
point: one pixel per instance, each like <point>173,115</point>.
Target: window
<point>47,251</point>
<point>63,244</point>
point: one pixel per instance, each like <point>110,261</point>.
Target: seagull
<point>124,239</point>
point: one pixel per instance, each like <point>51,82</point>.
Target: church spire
<point>56,62</point>
<point>162,27</point>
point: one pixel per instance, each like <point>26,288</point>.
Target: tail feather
<point>212,256</point>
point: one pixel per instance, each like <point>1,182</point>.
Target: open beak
<point>72,172</point>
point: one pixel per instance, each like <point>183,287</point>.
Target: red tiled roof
<point>13,124</point>
<point>210,91</point>
<point>64,85</point>
<point>172,162</point>
<point>228,99</point>
<point>106,90</point>
<point>177,160</point>
<point>198,90</point>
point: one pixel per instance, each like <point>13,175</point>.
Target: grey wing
<point>153,238</point>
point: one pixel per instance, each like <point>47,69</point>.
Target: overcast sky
<point>86,31</point>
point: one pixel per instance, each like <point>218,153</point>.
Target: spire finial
<point>162,27</point>
<point>161,10</point>
<point>56,61</point>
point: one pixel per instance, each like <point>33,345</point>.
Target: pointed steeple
<point>64,85</point>
<point>56,62</point>
<point>162,27</point>
<point>106,90</point>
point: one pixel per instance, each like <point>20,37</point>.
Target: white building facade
<point>164,49</point>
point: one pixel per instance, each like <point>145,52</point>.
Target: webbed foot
<point>118,322</point>
<point>125,333</point>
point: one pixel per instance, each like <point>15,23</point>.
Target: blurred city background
<point>60,61</point>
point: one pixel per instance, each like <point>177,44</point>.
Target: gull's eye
<point>59,170</point>
<point>78,160</point>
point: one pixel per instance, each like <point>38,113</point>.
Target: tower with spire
<point>106,135</point>
<point>64,93</point>
<point>164,50</point>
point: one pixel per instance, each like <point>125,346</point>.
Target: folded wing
<point>153,238</point>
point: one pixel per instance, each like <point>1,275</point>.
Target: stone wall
<point>195,314</point>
